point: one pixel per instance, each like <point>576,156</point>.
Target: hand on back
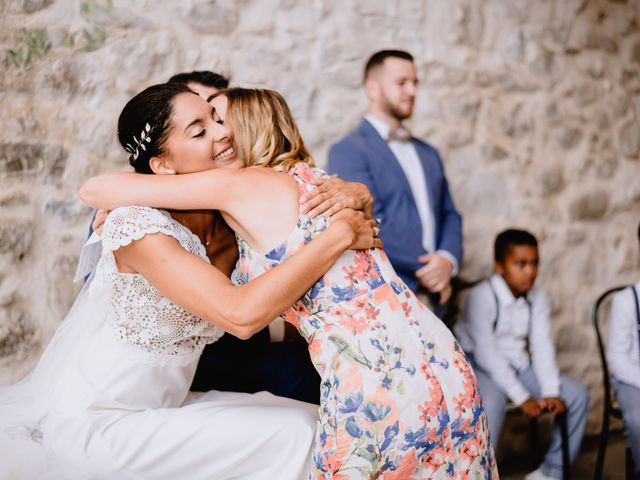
<point>333,194</point>
<point>98,220</point>
<point>363,228</point>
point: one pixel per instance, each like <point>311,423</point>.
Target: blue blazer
<point>363,156</point>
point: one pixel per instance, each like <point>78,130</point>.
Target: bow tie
<point>400,134</point>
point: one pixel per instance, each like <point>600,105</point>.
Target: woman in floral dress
<point>398,398</point>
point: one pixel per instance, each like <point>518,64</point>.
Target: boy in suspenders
<point>505,332</point>
<point>623,352</point>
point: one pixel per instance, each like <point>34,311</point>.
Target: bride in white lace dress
<point>110,397</point>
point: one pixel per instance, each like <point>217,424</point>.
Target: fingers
<point>432,280</point>
<point>327,203</point>
<point>440,285</point>
<point>424,258</point>
<point>311,200</point>
<point>314,209</point>
<point>445,294</point>
<point>423,271</point>
<point>98,221</point>
<point>322,181</point>
<point>331,211</point>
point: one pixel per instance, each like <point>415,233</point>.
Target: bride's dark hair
<point>143,125</point>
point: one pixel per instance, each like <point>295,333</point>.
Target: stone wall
<point>534,105</point>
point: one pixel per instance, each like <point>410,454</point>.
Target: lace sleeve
<point>126,224</point>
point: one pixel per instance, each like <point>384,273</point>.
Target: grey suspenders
<point>635,297</point>
<point>529,319</point>
<point>495,320</point>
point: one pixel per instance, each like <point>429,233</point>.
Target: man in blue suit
<point>421,229</point>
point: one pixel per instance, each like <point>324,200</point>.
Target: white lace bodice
<point>141,316</point>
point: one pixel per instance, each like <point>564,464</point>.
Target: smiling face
<point>198,138</point>
<point>228,157</point>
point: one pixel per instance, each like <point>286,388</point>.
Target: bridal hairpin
<point>145,137</point>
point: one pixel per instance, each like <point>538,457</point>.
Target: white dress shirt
<point>501,352</point>
<point>623,347</point>
<point>407,156</point>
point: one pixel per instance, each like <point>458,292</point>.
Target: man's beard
<point>396,111</point>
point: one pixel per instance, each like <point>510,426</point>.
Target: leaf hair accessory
<point>145,137</point>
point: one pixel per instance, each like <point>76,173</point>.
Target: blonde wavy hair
<point>264,130</point>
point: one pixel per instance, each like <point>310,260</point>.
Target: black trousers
<point>256,364</point>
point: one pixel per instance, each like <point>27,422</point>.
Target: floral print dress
<point>398,398</point>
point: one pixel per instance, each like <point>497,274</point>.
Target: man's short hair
<point>378,58</point>
<point>203,77</point>
<point>511,237</point>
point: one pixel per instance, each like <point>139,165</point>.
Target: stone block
<point>492,152</point>
<point>438,74</point>
<point>459,137</point>
<point>635,53</point>
<point>14,199</point>
<point>552,114</point>
<point>589,206</point>
<point>544,64</point>
<point>621,104</point>
<point>576,237</point>
<point>70,209</point>
<point>62,77</point>
<point>31,6</point>
<point>585,94</point>
<point>630,139</point>
<point>62,291</point>
<point>631,80</point>
<point>213,19</point>
<point>516,122</point>
<point>485,192</point>
<point>607,164</point>
<point>465,107</point>
<point>569,137</point>
<point>552,180</point>
<point>27,160</point>
<point>17,333</point>
<point>15,237</point>
<point>601,42</point>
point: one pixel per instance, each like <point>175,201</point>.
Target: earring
<point>170,171</point>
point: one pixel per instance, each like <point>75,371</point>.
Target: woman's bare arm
<point>211,189</point>
<point>214,189</point>
<point>203,290</point>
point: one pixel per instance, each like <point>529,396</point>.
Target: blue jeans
<point>629,401</point>
<point>575,396</point>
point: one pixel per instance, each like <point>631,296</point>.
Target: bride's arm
<point>203,290</point>
<point>211,189</point>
